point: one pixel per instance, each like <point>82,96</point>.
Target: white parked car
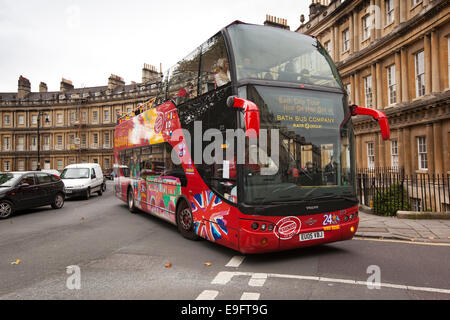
<point>83,180</point>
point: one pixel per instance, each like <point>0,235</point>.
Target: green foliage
<point>389,201</point>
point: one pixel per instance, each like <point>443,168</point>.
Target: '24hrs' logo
<point>330,219</point>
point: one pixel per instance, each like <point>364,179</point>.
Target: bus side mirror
<point>252,117</point>
<point>377,115</point>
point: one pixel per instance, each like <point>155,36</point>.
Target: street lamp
<point>38,168</point>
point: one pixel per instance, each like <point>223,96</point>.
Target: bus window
<point>215,68</point>
<point>183,78</point>
<point>218,174</point>
<point>282,56</point>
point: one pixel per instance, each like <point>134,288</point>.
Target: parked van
<point>83,180</point>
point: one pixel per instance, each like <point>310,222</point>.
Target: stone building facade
<point>76,125</point>
<point>393,55</point>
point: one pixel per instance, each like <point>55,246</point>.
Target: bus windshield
<point>314,153</point>
<point>282,56</point>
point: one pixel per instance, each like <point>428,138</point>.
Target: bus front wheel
<point>185,221</point>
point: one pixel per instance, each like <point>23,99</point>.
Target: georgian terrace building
<point>76,125</point>
<point>393,55</point>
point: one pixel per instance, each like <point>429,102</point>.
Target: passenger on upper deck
<point>222,76</point>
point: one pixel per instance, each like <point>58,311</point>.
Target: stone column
<point>401,147</point>
<point>438,152</point>
<point>404,82</point>
<point>398,78</point>
<point>352,86</point>
<point>427,61</point>
<point>435,61</point>
<point>378,18</point>
<point>407,155</point>
<point>379,86</point>
<point>351,33</point>
<point>374,86</point>
<point>403,10</point>
<point>337,46</point>
<point>357,80</point>
<point>373,30</point>
<point>381,151</point>
<point>397,14</point>
<point>430,148</point>
<point>356,31</point>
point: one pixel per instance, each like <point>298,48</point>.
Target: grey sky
<point>85,41</point>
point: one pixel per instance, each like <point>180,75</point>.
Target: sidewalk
<point>431,231</point>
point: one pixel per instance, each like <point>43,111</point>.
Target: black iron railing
<point>388,190</point>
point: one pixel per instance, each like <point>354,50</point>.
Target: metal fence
<point>388,190</point>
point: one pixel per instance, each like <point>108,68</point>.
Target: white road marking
<point>235,262</point>
<point>259,279</point>
<point>208,295</point>
<point>250,296</point>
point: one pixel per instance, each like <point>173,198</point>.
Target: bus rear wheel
<point>131,204</point>
<point>185,221</point>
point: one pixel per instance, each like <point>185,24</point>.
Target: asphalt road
<point>124,256</point>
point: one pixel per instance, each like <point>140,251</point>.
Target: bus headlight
<point>255,226</point>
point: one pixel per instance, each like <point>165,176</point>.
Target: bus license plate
<point>312,236</point>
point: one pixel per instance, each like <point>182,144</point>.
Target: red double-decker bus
<point>249,144</point>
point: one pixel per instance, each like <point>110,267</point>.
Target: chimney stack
<point>66,85</point>
<point>276,22</point>
<point>150,73</point>
<point>24,87</point>
<point>115,81</point>
<point>43,87</point>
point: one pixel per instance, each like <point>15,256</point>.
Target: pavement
<point>429,231</point>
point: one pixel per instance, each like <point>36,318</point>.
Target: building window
<point>59,140</point>
<point>60,118</point>
<point>34,119</point>
<point>394,154</point>
<point>416,204</point>
<point>327,47</point>
<point>422,152</point>
<point>21,165</point>
<point>392,85</point>
<point>20,143</point>
<point>73,117</point>
<point>21,119</point>
<point>7,166</point>
<point>33,143</point>
<point>60,165</point>
<point>106,140</point>
<point>346,40</point>
<point>389,11</point>
<point>83,140</point>
<point>368,91</point>
<point>348,88</point>
<point>416,2</point>
<point>95,116</point>
<point>106,115</point>
<point>106,163</point>
<point>366,27</point>
<point>6,143</point>
<point>370,155</point>
<point>420,74</point>
<point>7,120</point>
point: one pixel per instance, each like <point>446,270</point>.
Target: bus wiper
<point>338,197</point>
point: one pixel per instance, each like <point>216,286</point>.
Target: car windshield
<point>8,179</point>
<point>75,173</point>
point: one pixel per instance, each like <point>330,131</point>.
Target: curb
<point>423,215</point>
<point>390,236</point>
